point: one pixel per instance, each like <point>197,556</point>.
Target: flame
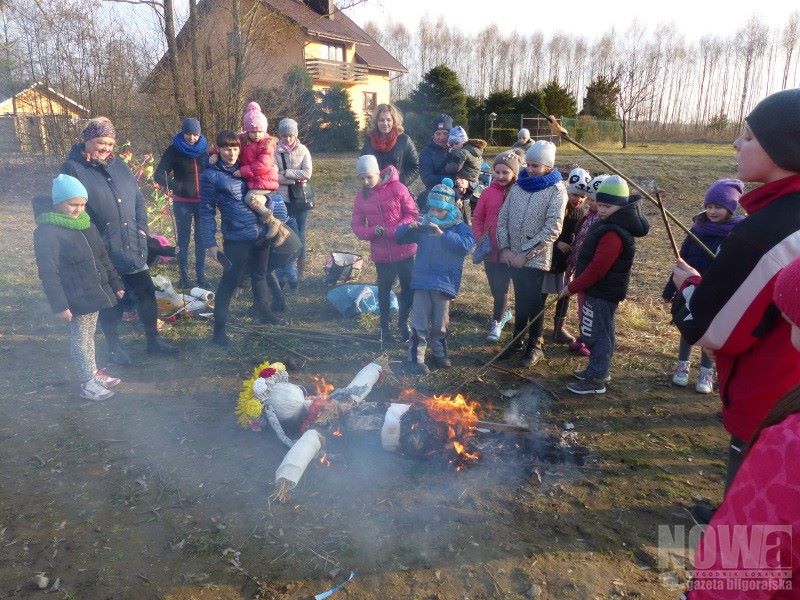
<point>324,460</point>
<point>336,432</point>
<point>461,417</point>
<point>323,408</point>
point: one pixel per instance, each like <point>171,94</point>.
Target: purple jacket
<point>390,205</point>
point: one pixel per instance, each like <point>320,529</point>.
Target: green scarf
<point>54,218</point>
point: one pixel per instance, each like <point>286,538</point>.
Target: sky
<point>692,18</point>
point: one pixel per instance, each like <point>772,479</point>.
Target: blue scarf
<point>187,149</point>
<point>534,183</point>
<point>453,214</point>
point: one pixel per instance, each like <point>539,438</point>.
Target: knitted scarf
<point>383,142</point>
<point>534,183</point>
<point>190,150</point>
<point>453,214</point>
<point>80,222</point>
<point>702,226</point>
<point>284,147</point>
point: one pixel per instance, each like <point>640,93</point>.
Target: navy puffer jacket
<point>219,189</point>
<point>115,206</point>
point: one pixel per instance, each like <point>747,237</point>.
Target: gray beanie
<point>775,121</point>
<point>523,134</point>
<point>542,152</point>
<point>367,164</point>
<point>287,127</point>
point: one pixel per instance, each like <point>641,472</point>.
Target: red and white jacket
<point>730,308</point>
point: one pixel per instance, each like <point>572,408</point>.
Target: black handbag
<point>301,196</point>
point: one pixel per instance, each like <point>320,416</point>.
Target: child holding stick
<point>729,309</point>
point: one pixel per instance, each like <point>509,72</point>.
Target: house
<point>38,119</point>
<point>280,35</point>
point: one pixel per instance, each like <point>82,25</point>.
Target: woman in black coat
<point>387,142</point>
<point>116,207</point>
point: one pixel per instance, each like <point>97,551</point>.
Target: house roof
<point>42,88</point>
<point>339,28</point>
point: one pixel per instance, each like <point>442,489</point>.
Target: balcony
<point>336,71</point>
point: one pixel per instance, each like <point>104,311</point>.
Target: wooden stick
<point>666,224</point>
<point>502,427</point>
<point>559,130</point>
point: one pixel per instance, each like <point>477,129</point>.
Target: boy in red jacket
<point>729,310</point>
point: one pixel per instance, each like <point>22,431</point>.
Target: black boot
<point>158,347</point>
<point>533,352</point>
<point>278,301</point>
<point>513,348</point>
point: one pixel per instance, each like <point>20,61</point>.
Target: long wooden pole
<point>559,129</point>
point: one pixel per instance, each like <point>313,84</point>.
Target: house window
<point>331,52</point>
<point>370,101</point>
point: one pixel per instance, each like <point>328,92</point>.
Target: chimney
<point>323,7</point>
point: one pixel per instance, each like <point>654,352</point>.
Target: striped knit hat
<point>614,190</point>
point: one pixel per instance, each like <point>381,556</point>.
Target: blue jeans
<point>185,214</point>
<point>301,217</point>
<point>597,332</point>
<point>685,352</point>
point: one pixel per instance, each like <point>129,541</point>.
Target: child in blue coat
<point>443,240</point>
<point>711,226</point>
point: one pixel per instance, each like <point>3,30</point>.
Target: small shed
<point>38,119</point>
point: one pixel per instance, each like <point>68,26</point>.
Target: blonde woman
<point>387,142</point>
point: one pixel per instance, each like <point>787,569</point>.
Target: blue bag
<point>482,249</point>
<point>355,298</point>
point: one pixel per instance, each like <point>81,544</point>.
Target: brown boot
<point>561,335</point>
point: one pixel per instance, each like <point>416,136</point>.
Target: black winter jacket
<point>116,207</point>
<point>568,232</point>
<point>465,162</point>
<point>432,160</point>
<point>628,223</point>
<point>403,156</point>
<point>180,173</point>
<point>75,270</point>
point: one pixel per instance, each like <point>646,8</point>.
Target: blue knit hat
<point>190,125</point>
<point>443,197</point>
<point>66,187</point>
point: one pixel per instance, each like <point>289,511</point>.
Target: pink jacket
<point>761,516</point>
<point>257,161</point>
<point>484,219</point>
<point>388,204</point>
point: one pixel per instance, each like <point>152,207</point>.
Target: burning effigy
<point>269,395</point>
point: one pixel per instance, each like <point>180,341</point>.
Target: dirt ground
<point>158,493</point>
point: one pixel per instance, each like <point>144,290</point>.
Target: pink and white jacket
<point>389,204</point>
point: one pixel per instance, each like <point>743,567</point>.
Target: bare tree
<point>789,41</point>
<point>753,43</point>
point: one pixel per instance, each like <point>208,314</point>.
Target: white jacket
<point>298,166</point>
<point>530,218</point>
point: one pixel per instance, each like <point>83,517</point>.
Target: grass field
<point>158,493</point>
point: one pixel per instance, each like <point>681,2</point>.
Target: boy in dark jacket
<point>602,273</point>
<point>179,172</point>
<point>443,240</point>
<point>711,226</point>
<point>433,158</point>
<point>77,277</point>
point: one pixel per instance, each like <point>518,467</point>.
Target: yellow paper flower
<point>248,407</point>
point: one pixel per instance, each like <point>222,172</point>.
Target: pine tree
<point>601,98</point>
<point>440,92</point>
<point>528,100</point>
<point>335,126</point>
<point>559,101</point>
